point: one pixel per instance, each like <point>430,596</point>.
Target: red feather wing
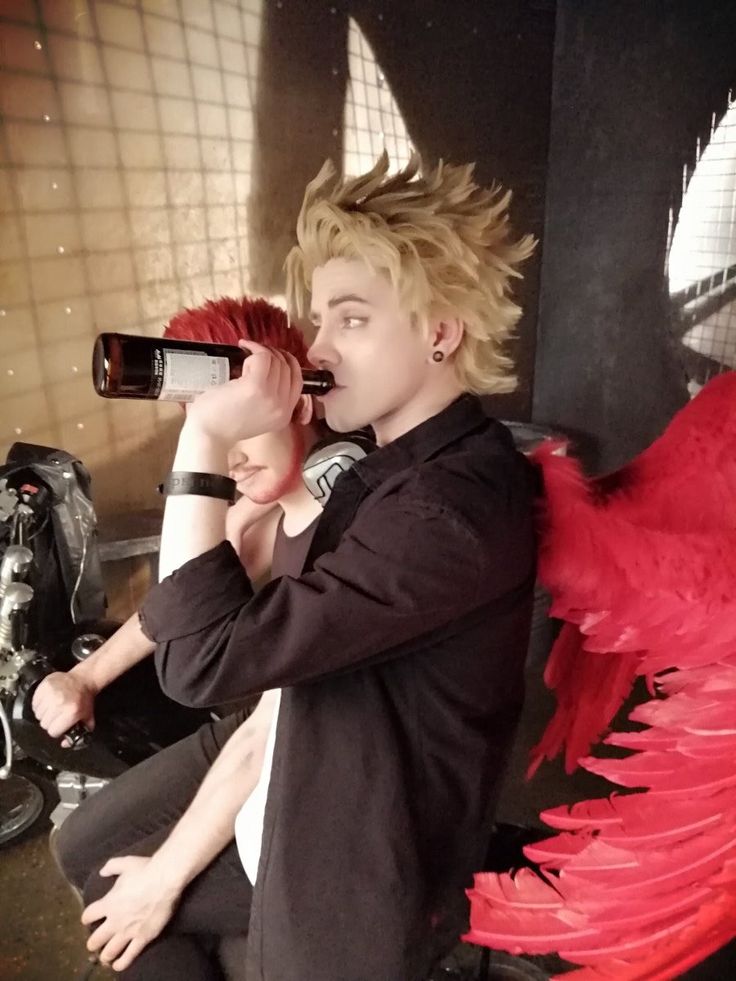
<point>642,565</point>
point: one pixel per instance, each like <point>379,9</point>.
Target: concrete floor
<point>41,938</point>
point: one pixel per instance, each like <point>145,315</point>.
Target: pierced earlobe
<point>438,356</point>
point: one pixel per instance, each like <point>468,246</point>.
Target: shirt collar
<point>461,417</point>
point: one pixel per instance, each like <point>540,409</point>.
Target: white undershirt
<point>249,820</point>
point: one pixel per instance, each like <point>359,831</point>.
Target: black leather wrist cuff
<point>202,484</point>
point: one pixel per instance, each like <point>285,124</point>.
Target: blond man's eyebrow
<point>335,301</point>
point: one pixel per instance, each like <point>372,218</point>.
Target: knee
<point>70,846</point>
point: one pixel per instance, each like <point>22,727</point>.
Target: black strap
<point>203,484</point>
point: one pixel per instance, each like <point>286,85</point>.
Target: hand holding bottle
<point>261,401</point>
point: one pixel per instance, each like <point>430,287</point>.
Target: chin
<point>263,496</point>
<point>279,484</point>
<point>258,491</point>
<point>346,422</point>
<point>338,425</point>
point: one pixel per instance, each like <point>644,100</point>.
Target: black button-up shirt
<point>400,650</point>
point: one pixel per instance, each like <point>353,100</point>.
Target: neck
<point>423,406</point>
<point>300,509</point>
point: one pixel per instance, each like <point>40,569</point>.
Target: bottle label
<point>187,373</point>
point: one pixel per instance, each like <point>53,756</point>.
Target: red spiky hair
<point>227,321</point>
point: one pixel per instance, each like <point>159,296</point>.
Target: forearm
<point>193,523</point>
<point>126,647</point>
<point>208,824</point>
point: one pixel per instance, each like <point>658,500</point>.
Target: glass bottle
<point>127,366</point>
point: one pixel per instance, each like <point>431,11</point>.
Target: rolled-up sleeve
<point>396,576</point>
<point>200,593</point>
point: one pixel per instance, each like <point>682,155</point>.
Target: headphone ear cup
<point>329,459</point>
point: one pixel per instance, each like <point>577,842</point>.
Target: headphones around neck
<point>329,459</point>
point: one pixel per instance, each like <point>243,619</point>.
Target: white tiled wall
<point>372,119</point>
<point>703,251</point>
<point>125,159</point>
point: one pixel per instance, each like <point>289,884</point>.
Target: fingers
<point>46,700</point>
<point>121,922</point>
<point>294,380</point>
<point>274,371</point>
<point>285,374</point>
<point>258,367</point>
<point>276,358</point>
<point>120,864</point>
<point>99,937</point>
<point>38,700</point>
<point>133,950</point>
<point>91,914</point>
<point>113,948</point>
<point>60,722</point>
<point>110,946</point>
<point>57,704</point>
<point>262,400</point>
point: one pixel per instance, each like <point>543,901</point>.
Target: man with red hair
<point>64,699</point>
<point>230,321</point>
<point>215,779</point>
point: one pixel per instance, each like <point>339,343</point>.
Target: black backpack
<point>51,489</point>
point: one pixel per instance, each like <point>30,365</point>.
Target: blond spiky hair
<point>442,240</point>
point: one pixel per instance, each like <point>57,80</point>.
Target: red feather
<point>642,566</point>
<point>589,690</point>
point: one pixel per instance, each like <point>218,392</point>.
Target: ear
<point>304,410</point>
<point>446,335</point>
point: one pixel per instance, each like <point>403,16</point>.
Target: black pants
<point>133,816</point>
